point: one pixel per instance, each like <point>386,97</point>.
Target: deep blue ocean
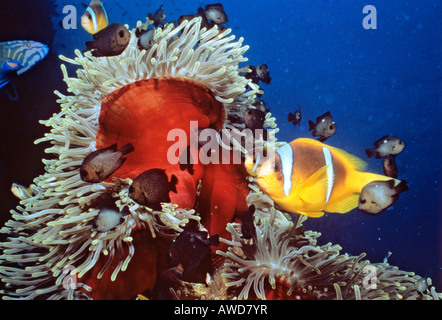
<point>375,82</point>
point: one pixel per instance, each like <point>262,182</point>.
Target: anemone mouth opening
<point>145,112</point>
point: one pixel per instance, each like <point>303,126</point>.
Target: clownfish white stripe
<point>258,160</point>
<point>104,11</point>
<point>286,154</point>
<point>330,172</point>
<point>94,18</point>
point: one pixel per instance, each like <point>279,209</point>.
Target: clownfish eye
<point>121,34</point>
<point>276,167</point>
<point>131,189</point>
<point>362,200</point>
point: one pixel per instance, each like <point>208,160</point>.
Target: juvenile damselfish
<point>204,22</point>
<point>263,73</point>
<point>248,228</point>
<point>215,12</point>
<point>385,146</point>
<point>254,118</point>
<point>191,251</point>
<point>145,38</point>
<point>309,177</point>
<point>258,73</point>
<point>158,17</point>
<point>377,196</point>
<point>152,187</point>
<point>100,164</point>
<point>296,117</point>
<point>260,105</point>
<point>390,167</point>
<point>212,15</point>
<point>109,217</point>
<point>324,127</point>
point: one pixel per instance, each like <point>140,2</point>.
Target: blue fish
<point>17,57</point>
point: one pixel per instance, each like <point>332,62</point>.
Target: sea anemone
<point>53,251</point>
<point>284,261</point>
<point>51,236</point>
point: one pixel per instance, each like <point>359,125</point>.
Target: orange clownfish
<point>95,17</point>
<point>309,177</point>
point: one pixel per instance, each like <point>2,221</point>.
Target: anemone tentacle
<point>283,254</point>
<point>53,228</point>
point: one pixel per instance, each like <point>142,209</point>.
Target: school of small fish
<point>212,15</point>
<point>377,195</point>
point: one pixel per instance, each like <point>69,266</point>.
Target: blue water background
<point>374,82</point>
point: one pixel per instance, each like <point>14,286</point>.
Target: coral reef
<point>51,237</point>
<point>52,229</point>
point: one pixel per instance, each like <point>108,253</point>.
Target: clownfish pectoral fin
<point>314,189</point>
<point>312,214</point>
<point>345,205</point>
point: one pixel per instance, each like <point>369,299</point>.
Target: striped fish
<point>18,57</point>
<point>20,191</point>
<point>95,17</point>
<point>309,177</point>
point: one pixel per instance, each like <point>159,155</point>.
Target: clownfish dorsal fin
<point>314,189</point>
<point>344,205</point>
<point>354,162</point>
